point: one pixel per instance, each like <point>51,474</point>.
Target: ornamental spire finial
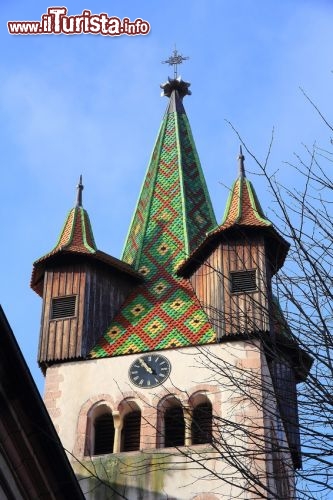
<point>79,188</point>
<point>176,83</point>
<point>174,60</point>
<point>241,159</point>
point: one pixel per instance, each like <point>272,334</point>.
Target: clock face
<point>149,370</point>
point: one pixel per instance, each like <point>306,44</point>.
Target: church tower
<point>171,373</point>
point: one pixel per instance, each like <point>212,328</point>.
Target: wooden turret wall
<point>60,338</point>
<point>235,312</point>
<point>99,292</point>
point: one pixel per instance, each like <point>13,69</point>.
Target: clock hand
<point>145,366</point>
<point>151,370</point>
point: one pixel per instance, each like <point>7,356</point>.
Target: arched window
<point>171,424</point>
<point>100,432</point>
<point>131,431</point>
<point>201,428</point>
<point>174,426</point>
<point>103,434</point>
<point>130,434</point>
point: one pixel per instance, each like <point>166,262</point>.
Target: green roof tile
<point>172,216</point>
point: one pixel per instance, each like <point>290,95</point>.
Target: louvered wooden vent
<point>104,434</point>
<point>131,431</point>
<point>174,427</point>
<point>243,281</point>
<point>63,307</point>
<point>202,424</point>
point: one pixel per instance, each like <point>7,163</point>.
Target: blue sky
<point>91,104</point>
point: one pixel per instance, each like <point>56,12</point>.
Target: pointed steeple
<point>70,279</point>
<point>77,235</point>
<point>243,206</point>
<point>172,217</point>
<point>174,203</point>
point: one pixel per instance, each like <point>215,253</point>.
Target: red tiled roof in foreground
<point>243,207</point>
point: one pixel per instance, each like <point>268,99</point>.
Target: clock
<point>149,370</point>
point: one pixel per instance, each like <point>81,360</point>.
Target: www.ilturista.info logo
<point>56,22</point>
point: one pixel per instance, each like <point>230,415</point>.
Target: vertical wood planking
<point>234,313</point>
<point>100,292</point>
<point>57,334</point>
<point>105,293</point>
<point>75,324</point>
<point>76,330</point>
<point>44,333</point>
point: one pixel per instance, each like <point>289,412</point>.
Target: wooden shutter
<point>104,434</point>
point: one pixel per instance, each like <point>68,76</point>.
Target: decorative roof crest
<point>175,83</point>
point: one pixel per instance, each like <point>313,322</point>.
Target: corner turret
<point>80,286</point>
<point>243,253</point>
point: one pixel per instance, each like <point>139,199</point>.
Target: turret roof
<point>76,238</point>
<point>243,207</point>
<point>243,212</point>
<point>76,235</point>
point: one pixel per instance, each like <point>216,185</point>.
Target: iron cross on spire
<point>174,60</point>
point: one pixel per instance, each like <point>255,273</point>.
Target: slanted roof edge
<point>255,203</point>
<point>84,218</point>
<point>159,134</point>
<point>181,179</point>
<point>202,177</point>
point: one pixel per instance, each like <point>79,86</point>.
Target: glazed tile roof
<point>243,211</point>
<point>76,238</point>
<point>172,217</point>
<point>76,235</point>
<point>174,196</point>
<point>243,207</point>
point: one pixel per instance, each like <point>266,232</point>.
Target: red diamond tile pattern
<point>243,207</point>
<point>172,217</point>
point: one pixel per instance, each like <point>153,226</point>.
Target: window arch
<point>131,429</point>
<point>100,430</point>
<point>171,429</point>
<point>104,434</point>
<point>202,417</point>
